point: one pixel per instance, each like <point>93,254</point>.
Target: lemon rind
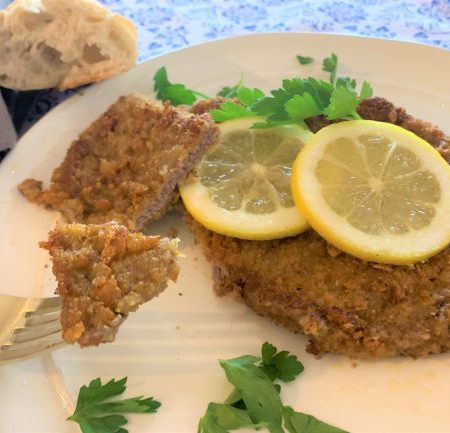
<point>284,222</point>
<point>239,224</point>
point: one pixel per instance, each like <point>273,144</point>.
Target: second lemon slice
<point>241,187</point>
<point>375,190</point>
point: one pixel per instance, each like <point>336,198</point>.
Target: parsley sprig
<point>330,64</point>
<point>173,92</point>
<point>297,100</point>
<point>96,413</point>
<point>231,92</point>
<point>304,60</point>
<point>230,110</point>
<point>255,401</point>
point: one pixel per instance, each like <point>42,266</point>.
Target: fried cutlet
<point>126,165</point>
<point>343,304</point>
<point>103,273</point>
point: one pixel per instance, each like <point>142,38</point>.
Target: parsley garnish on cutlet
<point>297,100</point>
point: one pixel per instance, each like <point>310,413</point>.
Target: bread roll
<point>62,43</point>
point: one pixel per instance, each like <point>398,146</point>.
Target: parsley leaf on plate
<point>320,90</point>
<point>329,64</point>
<point>261,399</point>
<point>280,365</point>
<point>304,60</point>
<point>300,107</point>
<point>248,96</point>
<point>219,418</point>
<point>343,103</point>
<point>297,100</point>
<point>255,401</point>
<point>297,422</point>
<point>175,93</point>
<point>95,413</point>
<point>366,91</point>
<point>231,92</point>
<point>344,100</point>
<point>230,110</point>
<point>346,82</point>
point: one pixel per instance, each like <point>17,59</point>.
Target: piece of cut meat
<point>104,272</point>
<point>126,166</point>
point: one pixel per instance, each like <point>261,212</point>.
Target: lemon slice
<point>375,190</point>
<point>241,187</point>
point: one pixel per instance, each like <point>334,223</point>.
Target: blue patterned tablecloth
<point>166,25</point>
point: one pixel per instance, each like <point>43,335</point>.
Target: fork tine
<point>31,327</point>
<point>44,305</point>
<point>28,333</point>
<point>53,302</point>
<point>40,318</point>
<point>43,311</point>
<point>19,351</point>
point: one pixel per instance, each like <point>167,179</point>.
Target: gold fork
<point>28,326</point>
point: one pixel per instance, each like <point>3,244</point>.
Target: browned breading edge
<point>125,167</point>
<point>103,273</point>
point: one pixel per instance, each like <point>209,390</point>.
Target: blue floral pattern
<point>166,25</point>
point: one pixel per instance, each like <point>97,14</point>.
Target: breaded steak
<point>103,273</point>
<point>126,165</point>
<point>343,304</point>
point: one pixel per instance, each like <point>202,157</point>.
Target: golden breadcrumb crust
<point>343,304</point>
<point>103,273</point>
<point>126,165</point>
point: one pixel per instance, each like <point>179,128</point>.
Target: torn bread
<point>125,167</point>
<point>62,43</point>
<point>105,272</point>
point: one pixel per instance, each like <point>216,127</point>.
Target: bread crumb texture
<point>104,272</point>
<point>113,171</point>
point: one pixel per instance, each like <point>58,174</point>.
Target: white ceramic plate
<point>169,348</point>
